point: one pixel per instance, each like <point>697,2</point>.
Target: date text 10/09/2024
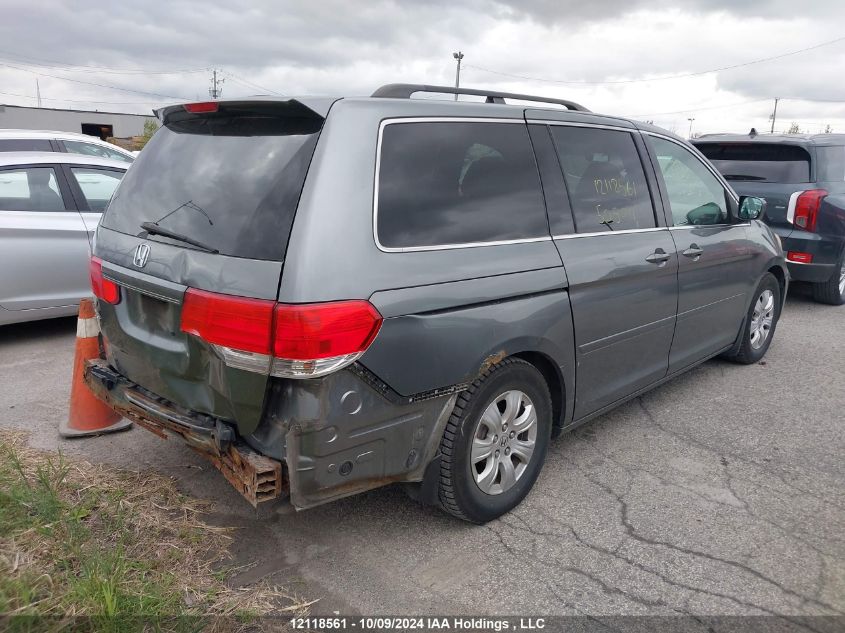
<point>427,623</point>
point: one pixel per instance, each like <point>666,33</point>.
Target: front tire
<point>832,291</point>
<point>495,442</point>
<point>760,323</point>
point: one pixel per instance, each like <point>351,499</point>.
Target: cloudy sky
<point>625,57</point>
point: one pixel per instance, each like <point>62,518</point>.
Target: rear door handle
<point>693,252</point>
<point>659,257</point>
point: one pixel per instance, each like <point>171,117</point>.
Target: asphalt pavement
<point>720,493</point>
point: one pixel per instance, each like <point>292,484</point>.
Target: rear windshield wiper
<point>154,229</point>
<point>742,177</point>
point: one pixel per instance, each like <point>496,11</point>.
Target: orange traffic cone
<point>88,415</point>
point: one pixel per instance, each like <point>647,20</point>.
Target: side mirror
<point>710,213</point>
<point>751,208</point>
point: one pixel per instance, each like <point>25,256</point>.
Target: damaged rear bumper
<point>257,477</point>
<point>319,440</point>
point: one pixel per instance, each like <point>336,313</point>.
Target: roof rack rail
<point>404,91</point>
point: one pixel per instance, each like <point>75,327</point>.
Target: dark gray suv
<point>802,179</point>
<point>324,296</point>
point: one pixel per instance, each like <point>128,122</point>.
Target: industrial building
<point>94,123</point>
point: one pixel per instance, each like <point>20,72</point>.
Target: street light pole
<point>690,119</point>
<point>458,57</point>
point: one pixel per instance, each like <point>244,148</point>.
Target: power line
<point>26,96</point>
<point>250,84</point>
<point>731,105</point>
<point>632,81</point>
<point>32,61</point>
<point>90,83</point>
<point>697,108</point>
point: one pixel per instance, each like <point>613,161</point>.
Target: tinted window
<point>695,195</point>
<point>230,180</point>
<point>30,189</point>
<point>764,162</point>
<point>605,179</point>
<point>97,185</point>
<point>92,149</point>
<point>25,145</point>
<point>444,183</point>
<point>830,163</point>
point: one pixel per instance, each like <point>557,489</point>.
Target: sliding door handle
<point>658,257</point>
<point>693,252</point>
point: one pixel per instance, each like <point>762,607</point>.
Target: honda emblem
<point>142,253</point>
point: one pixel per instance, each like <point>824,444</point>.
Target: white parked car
<point>50,205</point>
<point>68,142</point>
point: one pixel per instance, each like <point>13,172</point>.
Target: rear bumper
<point>320,440</point>
<point>257,477</point>
<point>812,273</point>
<point>825,250</point>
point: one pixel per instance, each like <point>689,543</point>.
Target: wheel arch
<point>554,379</point>
<point>780,274</point>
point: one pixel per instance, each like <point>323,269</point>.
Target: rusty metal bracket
<point>257,477</point>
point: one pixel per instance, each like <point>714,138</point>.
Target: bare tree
<point>793,128</point>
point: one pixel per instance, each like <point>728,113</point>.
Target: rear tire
<point>760,323</point>
<point>495,442</point>
<point>832,291</point>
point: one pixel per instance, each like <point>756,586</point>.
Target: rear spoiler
<point>293,108</point>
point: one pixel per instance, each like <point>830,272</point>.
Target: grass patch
<point>91,547</point>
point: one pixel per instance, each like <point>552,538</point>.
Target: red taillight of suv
<point>288,340</point>
<point>104,289</point>
<point>804,208</point>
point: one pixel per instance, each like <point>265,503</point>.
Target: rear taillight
<point>104,289</point>
<point>292,341</point>
<point>318,338</point>
<point>799,257</point>
<point>803,208</point>
<point>236,322</point>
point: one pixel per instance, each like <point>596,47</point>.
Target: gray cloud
<point>342,47</point>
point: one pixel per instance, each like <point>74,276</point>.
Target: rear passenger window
<point>97,185</point>
<point>30,189</point>
<point>451,183</point>
<point>91,149</point>
<point>605,179</point>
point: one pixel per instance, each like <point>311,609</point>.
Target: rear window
<point>764,162</point>
<point>830,163</point>
<point>230,180</point>
<point>450,183</point>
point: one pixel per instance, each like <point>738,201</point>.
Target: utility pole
<point>38,92</point>
<point>690,119</point>
<point>216,90</point>
<point>458,57</point>
<point>774,114</point>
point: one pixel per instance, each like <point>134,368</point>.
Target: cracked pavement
<point>719,493</point>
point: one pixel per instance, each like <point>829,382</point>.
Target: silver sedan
<point>50,205</point>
